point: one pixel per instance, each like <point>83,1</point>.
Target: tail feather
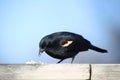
<point>98,49</point>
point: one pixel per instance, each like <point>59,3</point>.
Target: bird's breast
<point>61,53</point>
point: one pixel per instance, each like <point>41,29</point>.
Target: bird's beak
<point>41,51</point>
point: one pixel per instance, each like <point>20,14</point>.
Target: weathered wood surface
<point>59,72</point>
<point>44,72</point>
<point>105,72</point>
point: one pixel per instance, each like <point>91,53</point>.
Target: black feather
<point>57,45</point>
<point>98,49</point>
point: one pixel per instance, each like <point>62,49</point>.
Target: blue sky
<point>24,22</point>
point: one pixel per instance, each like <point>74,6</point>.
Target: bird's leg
<point>72,59</point>
<point>60,61</point>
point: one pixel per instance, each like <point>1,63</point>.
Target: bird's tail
<point>98,49</point>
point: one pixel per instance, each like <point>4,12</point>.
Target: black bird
<point>63,45</point>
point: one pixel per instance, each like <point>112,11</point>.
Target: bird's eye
<point>43,45</point>
<point>66,43</point>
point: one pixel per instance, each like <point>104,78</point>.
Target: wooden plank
<point>105,71</point>
<point>59,72</point>
<point>44,72</point>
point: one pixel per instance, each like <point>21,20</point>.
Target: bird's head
<point>43,45</point>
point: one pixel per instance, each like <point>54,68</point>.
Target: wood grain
<point>105,71</point>
<point>45,72</point>
<point>59,72</point>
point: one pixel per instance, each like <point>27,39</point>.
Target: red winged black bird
<point>63,45</point>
